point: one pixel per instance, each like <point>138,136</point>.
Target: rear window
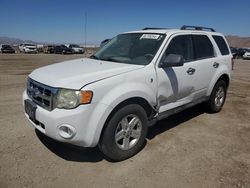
<point>221,43</point>
<point>203,47</point>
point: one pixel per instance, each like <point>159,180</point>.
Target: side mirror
<point>172,60</point>
<point>104,42</point>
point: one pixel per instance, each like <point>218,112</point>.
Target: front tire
<point>217,97</point>
<point>125,133</point>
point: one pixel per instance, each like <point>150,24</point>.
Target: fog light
<point>67,131</point>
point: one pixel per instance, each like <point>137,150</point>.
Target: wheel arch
<point>150,111</point>
<point>136,100</point>
<point>225,77</point>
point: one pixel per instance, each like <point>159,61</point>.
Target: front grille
<point>41,94</point>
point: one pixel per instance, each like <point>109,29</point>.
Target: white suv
<point>76,48</point>
<point>28,48</point>
<point>133,81</point>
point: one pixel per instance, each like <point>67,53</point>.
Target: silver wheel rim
<point>128,132</point>
<point>219,96</point>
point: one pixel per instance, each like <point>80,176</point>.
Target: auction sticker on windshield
<point>149,36</point>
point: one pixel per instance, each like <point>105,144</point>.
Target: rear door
<point>205,63</point>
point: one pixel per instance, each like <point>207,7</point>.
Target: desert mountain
<point>12,41</point>
<point>235,41</point>
<point>240,42</point>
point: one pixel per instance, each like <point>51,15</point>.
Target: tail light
<point>232,61</point>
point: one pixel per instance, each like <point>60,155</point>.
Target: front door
<point>176,84</point>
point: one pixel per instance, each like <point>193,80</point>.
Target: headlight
<point>69,99</point>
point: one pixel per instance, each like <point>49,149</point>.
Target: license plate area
<point>30,109</point>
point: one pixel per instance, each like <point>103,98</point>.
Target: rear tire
<point>217,97</point>
<point>125,133</point>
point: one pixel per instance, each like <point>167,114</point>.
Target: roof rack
<point>153,28</point>
<point>199,28</point>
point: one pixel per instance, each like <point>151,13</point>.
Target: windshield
<point>75,46</point>
<point>63,46</point>
<point>131,48</point>
<point>6,46</point>
<point>29,45</point>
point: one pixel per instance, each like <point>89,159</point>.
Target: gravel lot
<point>190,149</point>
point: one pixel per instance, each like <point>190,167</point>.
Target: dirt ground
<point>191,149</point>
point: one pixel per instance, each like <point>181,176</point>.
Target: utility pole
<point>85,30</point>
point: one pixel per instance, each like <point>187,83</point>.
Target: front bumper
<point>49,122</point>
<point>27,50</point>
<point>246,56</point>
<point>8,51</point>
<point>78,51</point>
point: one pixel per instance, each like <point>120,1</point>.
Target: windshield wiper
<point>111,59</point>
<point>94,57</point>
<point>105,59</point>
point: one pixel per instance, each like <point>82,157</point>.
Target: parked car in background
<point>62,49</point>
<point>237,52</point>
<point>76,48</point>
<point>40,48</point>
<point>246,54</point>
<point>4,48</point>
<point>28,48</point>
<point>49,49</point>
<point>241,52</point>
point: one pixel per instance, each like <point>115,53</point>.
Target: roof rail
<point>153,28</point>
<point>199,28</point>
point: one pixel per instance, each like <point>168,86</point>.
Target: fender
<point>129,90</point>
<point>223,70</point>
<point>110,100</point>
<point>96,122</point>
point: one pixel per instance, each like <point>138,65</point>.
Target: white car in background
<point>76,48</point>
<point>246,54</point>
<point>28,48</point>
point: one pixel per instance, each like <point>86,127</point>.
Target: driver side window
<point>181,45</point>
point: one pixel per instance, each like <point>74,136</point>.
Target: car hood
<point>66,49</point>
<point>75,74</point>
<point>78,48</point>
<point>31,47</point>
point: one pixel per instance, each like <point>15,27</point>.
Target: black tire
<point>112,148</point>
<point>214,104</point>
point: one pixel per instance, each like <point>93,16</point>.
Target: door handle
<point>216,65</point>
<point>191,71</point>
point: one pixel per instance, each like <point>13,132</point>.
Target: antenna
<point>85,30</point>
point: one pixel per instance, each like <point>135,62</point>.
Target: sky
<point>61,21</point>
